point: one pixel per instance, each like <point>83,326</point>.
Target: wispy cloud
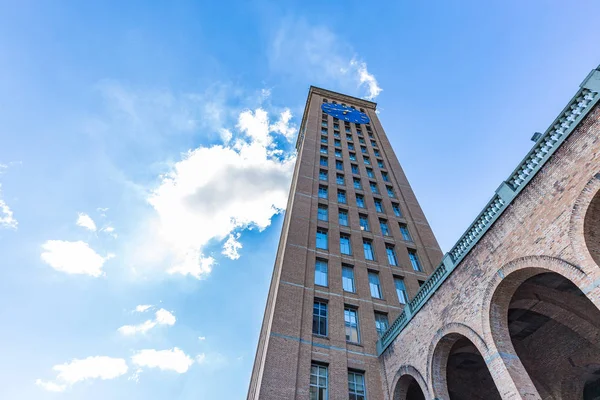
<point>7,219</point>
<point>85,221</point>
<point>98,367</point>
<point>73,257</point>
<point>315,54</point>
<point>162,317</point>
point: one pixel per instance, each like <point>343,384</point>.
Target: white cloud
<point>109,230</point>
<point>231,247</point>
<point>7,219</point>
<point>143,307</point>
<point>130,330</point>
<point>201,338</point>
<point>167,360</point>
<point>86,222</point>
<point>283,125</point>
<point>366,78</point>
<point>162,317</point>
<point>240,186</point>
<point>315,54</point>
<point>98,367</point>
<point>73,257</point>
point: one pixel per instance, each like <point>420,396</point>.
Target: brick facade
<point>287,346</point>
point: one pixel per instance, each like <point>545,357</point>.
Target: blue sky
<point>146,150</point>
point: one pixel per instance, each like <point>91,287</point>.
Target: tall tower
<point>354,248</point>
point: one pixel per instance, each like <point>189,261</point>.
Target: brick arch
<point>439,352</point>
<point>402,380</point>
<point>453,328</point>
<point>585,210</point>
<point>496,301</point>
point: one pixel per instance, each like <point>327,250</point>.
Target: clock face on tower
<point>345,113</point>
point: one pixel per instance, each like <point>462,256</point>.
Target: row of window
<point>323,215</point>
<point>323,193</point>
<point>322,279</point>
<point>337,136</point>
<point>369,254</point>
<point>339,165</point>
<point>340,180</point>
<point>338,152</point>
<point>319,383</point>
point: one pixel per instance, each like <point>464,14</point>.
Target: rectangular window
<point>378,206</point>
<point>381,323</point>
<point>405,233</point>
<point>364,222</point>
<point>348,137</point>
<point>414,260</point>
<point>323,175</point>
<point>356,386</point>
<point>401,290</point>
<point>322,191</point>
<point>343,217</point>
<point>322,239</point>
<point>320,318</point>
<point>385,230</point>
<point>373,143</point>
<point>380,164</point>
<point>324,149</point>
<point>336,134</point>
<point>358,131</point>
<point>390,191</point>
<point>351,322</point>
<point>391,254</point>
<point>348,278</point>
<point>363,149</point>
<point>368,248</point>
<point>345,244</point>
<point>323,161</point>
<point>339,179</point>
<point>352,157</point>
<point>354,169</point>
<point>374,188</point>
<point>377,153</point>
<point>324,124</point>
<point>360,201</point>
<point>324,131</point>
<point>370,173</point>
<point>321,273</point>
<point>337,143</point>
<point>324,139</point>
<point>374,285</point>
<point>342,197</point>
<point>361,140</point>
<point>350,146</point>
<point>367,160</point>
<point>318,382</point>
<point>357,184</point>
<point>371,136</point>
<point>322,213</point>
<point>348,129</point>
<point>396,209</point>
<point>385,176</point>
<point>338,153</point>
<point>339,165</point>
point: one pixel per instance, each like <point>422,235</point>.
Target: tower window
<point>321,273</point>
<point>375,286</point>
<point>401,290</point>
<point>368,249</point>
<point>348,278</point>
<point>351,322</point>
<point>322,239</point>
<point>381,323</point>
<point>318,382</point>
<point>414,260</point>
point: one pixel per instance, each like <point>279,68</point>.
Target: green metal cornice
<point>580,105</point>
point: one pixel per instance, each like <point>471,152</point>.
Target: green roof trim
<point>580,105</point>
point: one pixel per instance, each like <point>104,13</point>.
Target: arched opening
<point>591,228</point>
<point>460,372</point>
<point>408,388</point>
<point>467,374</point>
<point>555,332</point>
